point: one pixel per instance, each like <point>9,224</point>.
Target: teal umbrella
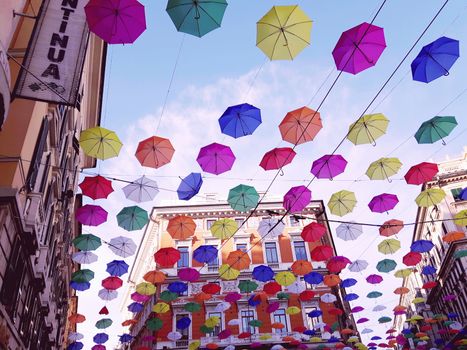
<point>104,323</point>
<point>384,319</point>
<point>243,198</point>
<point>435,129</point>
<point>82,276</point>
<point>132,218</point>
<point>196,17</point>
<point>192,307</point>
<point>168,296</point>
<point>386,265</point>
<point>154,324</point>
<point>373,295</point>
<point>247,286</point>
<point>87,242</point>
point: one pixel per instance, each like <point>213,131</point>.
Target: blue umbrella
<point>348,282</point>
<point>178,287</point>
<point>435,59</point>
<point>421,246</point>
<point>240,120</point>
<point>190,186</point>
<point>309,332</point>
<point>351,296</point>
<point>315,313</point>
<point>80,286</point>
<point>183,323</point>
<point>75,346</point>
<point>428,270</point>
<point>205,253</point>
<point>100,338</point>
<point>117,268</point>
<point>376,337</point>
<point>313,278</point>
<point>452,315</point>
<point>263,273</point>
<point>463,194</point>
<point>125,338</point>
<point>254,301</point>
<point>135,307</point>
<point>333,339</point>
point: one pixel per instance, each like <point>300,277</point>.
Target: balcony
<point>181,344</point>
<point>234,340</point>
<point>34,215</point>
<point>213,268</point>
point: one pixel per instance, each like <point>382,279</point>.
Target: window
<point>294,222</point>
<point>184,260</point>
<point>41,146</point>
<point>300,250</point>
<point>310,322</point>
<point>247,316</point>
<point>281,317</point>
<point>239,221</point>
<point>185,332</point>
<point>271,252</point>
<point>209,224</point>
<point>242,246</point>
<point>217,329</point>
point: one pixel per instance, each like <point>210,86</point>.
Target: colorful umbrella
<point>383,168</point>
<point>75,346</point>
<point>112,283</point>
<point>91,215</point>
<point>301,267</point>
<point>100,143</point>
<point>383,202</point>
<point>285,278</point>
<point>224,228</point>
<point>239,260</point>
<point>243,198</point>
<point>321,253</point>
<point>328,298</point>
<point>454,236</point>
<point>84,257</point>
<point>342,203</point>
<point>167,257</point>
<point>154,276</point>
<point>270,227</point>
<point>349,231</point>
<point>96,187</point>
<point>107,294</point>
<point>181,227</point>
<point>166,295</point>
<point>428,270</point>
<point>177,287</point>
<point>277,158</point>
<point>247,286</point>
<point>422,246</point>
<point>389,246</point>
<point>240,120</point>
<point>192,307</point>
<point>189,186</point>
<point>331,280</point>
<point>391,227</point>
<point>154,152</point>
<point>296,199</point>
<point>272,288</point>
<point>435,129</point>
<point>348,282</point>
<point>283,32</point>
<point>228,273</point>
<point>374,295</point>
<point>367,129</point>
<point>122,246</point>
<point>232,297</point>
<point>300,125</point>
<point>359,48</point>
<point>435,59</point>
<point>401,290</point>
<point>384,319</point>
<point>104,323</point>
<point>421,173</point>
<point>205,253</point>
<point>132,218</point>
<point>215,158</point>
<point>80,286</point>
<point>87,242</point>
<point>145,288</point>
<point>386,265</point>
<point>313,232</point>
<point>374,279</point>
<point>460,219</point>
<point>403,273</point>
<point>154,324</point>
<point>141,190</point>
<point>412,258</point>
<point>337,263</point>
<point>358,265</point>
<point>117,268</point>
<point>82,276</point>
<point>100,338</point>
<point>328,166</point>
<point>429,197</point>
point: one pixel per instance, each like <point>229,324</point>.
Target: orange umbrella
<point>301,267</point>
<point>420,334</point>
<point>128,323</point>
<point>154,152</point>
<point>399,308</point>
<point>277,325</point>
<point>288,338</point>
<point>454,236</point>
<point>391,227</point>
<point>181,227</point>
<point>347,331</point>
<point>331,280</point>
<point>202,296</point>
<point>401,290</point>
<point>154,277</point>
<point>300,126</point>
<point>212,346</point>
<point>76,318</point>
<point>238,260</point>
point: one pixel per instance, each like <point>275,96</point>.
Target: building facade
<point>279,253</point>
<point>40,163</point>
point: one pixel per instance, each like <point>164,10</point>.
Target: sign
<point>55,56</point>
<point>4,85</point>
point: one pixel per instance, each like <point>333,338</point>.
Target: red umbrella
<point>244,335</point>
<point>321,253</point>
<point>412,258</point>
<point>272,288</point>
<point>154,152</point>
<point>112,283</point>
<point>211,288</point>
<point>313,232</point>
<point>300,126</point>
<point>104,311</point>
<point>337,263</point>
<point>421,173</point>
<point>224,334</point>
<point>167,257</point>
<point>430,284</point>
<point>391,227</point>
<point>299,329</point>
<point>277,158</point>
<point>96,187</point>
<point>335,311</point>
<point>306,295</point>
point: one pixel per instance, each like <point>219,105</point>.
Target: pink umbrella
<point>277,158</point>
<point>232,297</point>
<point>328,166</point>
<point>224,334</point>
<point>421,173</point>
<point>374,279</point>
<point>140,298</point>
<point>215,158</point>
<point>337,263</point>
<point>91,215</point>
<point>188,274</point>
<point>359,48</point>
<point>98,347</point>
<point>296,199</point>
<point>383,202</point>
<point>116,21</point>
<point>272,307</point>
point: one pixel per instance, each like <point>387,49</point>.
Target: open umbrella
<point>321,253</point>
<point>296,199</point>
<point>435,129</point>
<point>358,265</point>
<point>132,218</point>
<point>374,279</point>
<point>389,246</point>
<point>272,288</point>
<point>100,338</point>
<point>177,287</point>
<point>84,257</point>
<point>301,267</point>
<point>277,158</point>
<point>349,231</point>
<point>91,215</point>
<point>300,125</point>
<point>154,276</point>
<point>422,246</point>
<point>270,227</point>
<point>331,280</point>
<point>348,282</point>
<point>328,298</point>
<point>215,158</point>
<point>239,260</point>
<point>145,288</point>
<point>141,190</point>
<point>386,265</point>
<point>104,323</point>
<point>460,219</point>
<point>285,278</point>
<point>262,273</point>
<point>117,268</point>
<point>243,198</point>
<point>228,273</point>
<point>383,202</point>
<point>87,242</point>
<point>181,227</point>
<point>454,236</point>
<point>101,143</point>
<point>122,246</point>
<point>359,48</point>
<point>391,227</point>
<point>283,32</point>
<point>313,232</point>
<point>435,59</point>
<point>247,286</point>
<point>107,294</point>
<point>81,276</point>
<point>429,197</point>
<point>196,17</point>
<point>367,129</point>
<point>154,152</point>
<point>96,187</point>
<point>328,166</point>
<point>167,257</point>
<point>154,324</point>
<point>337,263</point>
<point>403,273</point>
<point>342,202</point>
<point>412,258</point>
<point>374,295</point>
<point>240,120</point>
<point>188,274</point>
<point>421,173</point>
<point>224,228</point>
<point>205,253</point>
<point>189,186</point>
<point>383,168</point>
<point>112,283</point>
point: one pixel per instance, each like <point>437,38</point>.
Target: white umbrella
<point>270,228</point>
<point>328,298</point>
<point>297,287</point>
<point>84,257</point>
<point>107,294</point>
<point>122,246</point>
<point>456,326</point>
<point>379,308</point>
<point>319,325</point>
<point>277,347</point>
<point>358,265</point>
<point>366,331</point>
<point>326,335</point>
<point>174,336</point>
<point>222,306</point>
<point>141,190</point>
<point>234,322</point>
<point>74,336</point>
<point>349,231</point>
<point>229,347</point>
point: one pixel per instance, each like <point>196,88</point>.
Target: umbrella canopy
<point>196,17</point>
<point>145,288</point>
<point>454,236</point>
<point>167,257</point>
<point>435,129</point>
<point>429,197</point>
<point>328,166</point>
<point>313,232</point>
<point>403,273</point>
<point>359,48</point>
<point>154,152</point>
<point>154,324</point>
<point>386,265</point>
<point>205,253</point>
<point>141,190</point>
<point>224,228</point>
<point>84,257</point>
<point>331,280</point>
<point>247,286</point>
<point>313,278</point>
<point>154,276</point>
<point>285,278</point>
<point>239,260</point>
<point>349,231</point>
<point>358,265</point>
<point>100,338</point>
<point>435,59</point>
<point>342,202</point>
<point>81,276</point>
<point>374,295</point>
<point>328,298</point>
<point>389,246</point>
<point>460,219</point>
<point>296,199</point>
<point>181,227</point>
<point>270,227</point>
<point>277,158</point>
<point>189,186</point>
<point>188,274</point>
<point>227,272</point>
<point>91,215</point>
<point>117,268</point>
<point>112,283</point>
<point>243,198</point>
<point>422,246</point>
<point>412,258</point>
<point>348,282</point>
<point>177,287</point>
<point>391,227</point>
<point>132,218</point>
<point>87,242</point>
<point>215,158</point>
<point>401,290</point>
<point>337,263</point>
<point>96,187</point>
<point>374,279</point>
<point>421,173</point>
<point>300,125</point>
<point>301,267</point>
<point>321,253</point>
<point>104,323</point>
<point>101,143</point>
<point>428,270</point>
<point>263,273</point>
<point>383,202</point>
<point>107,294</point>
<point>367,129</point>
<point>240,120</point>
<point>283,32</point>
<point>122,246</point>
<point>192,307</point>
<point>383,168</point>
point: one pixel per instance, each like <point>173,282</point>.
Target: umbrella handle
<point>281,173</point>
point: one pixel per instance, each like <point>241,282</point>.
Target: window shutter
<point>39,150</point>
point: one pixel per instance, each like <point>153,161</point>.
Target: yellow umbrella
<point>389,246</point>
<point>161,308</point>
<point>418,301</point>
<point>292,310</point>
<point>367,129</point>
<point>194,345</point>
<point>429,197</point>
<point>146,288</point>
<point>283,32</point>
<point>265,337</point>
<point>402,273</point>
<point>285,278</point>
<point>100,143</point>
<point>315,340</point>
<point>353,339</point>
<point>342,202</point>
<point>224,228</point>
<point>227,272</point>
<point>461,218</point>
<point>212,321</point>
<point>383,168</point>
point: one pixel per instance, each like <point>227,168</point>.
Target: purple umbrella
<point>215,158</point>
<point>359,48</point>
<point>383,202</point>
<point>297,198</point>
<point>91,215</point>
<point>362,320</point>
<point>140,298</point>
<point>328,166</point>
<point>374,279</point>
<point>188,274</point>
<point>356,309</point>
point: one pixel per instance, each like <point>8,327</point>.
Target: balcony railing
<point>182,344</point>
<point>275,338</point>
<point>213,268</point>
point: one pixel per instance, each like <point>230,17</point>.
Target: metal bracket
<point>19,14</point>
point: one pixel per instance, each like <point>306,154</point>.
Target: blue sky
<point>219,69</point>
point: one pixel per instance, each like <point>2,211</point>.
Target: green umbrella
<point>384,319</point>
<point>335,326</point>
<point>168,296</point>
<point>132,218</point>
<point>154,324</point>
<point>243,198</point>
<point>104,323</point>
<point>374,294</point>
<point>205,329</point>
<point>435,129</point>
<point>460,254</point>
<point>196,17</point>
<point>192,307</point>
<point>247,286</point>
<point>283,296</point>
<point>255,323</point>
<point>386,265</point>
<point>87,242</point>
<point>82,276</point>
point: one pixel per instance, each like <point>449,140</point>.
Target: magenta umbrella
<point>296,199</point>
<point>356,309</point>
<point>359,48</point>
<point>91,215</point>
<point>328,166</point>
<point>188,274</point>
<point>140,298</point>
<point>362,320</point>
<point>277,158</point>
<point>215,158</point>
<point>232,297</point>
<point>224,334</point>
<point>272,307</point>
<point>383,202</point>
<point>116,21</point>
<point>374,279</point>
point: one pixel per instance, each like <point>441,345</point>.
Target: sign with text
<point>54,60</point>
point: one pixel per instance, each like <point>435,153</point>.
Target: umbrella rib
<point>212,18</point>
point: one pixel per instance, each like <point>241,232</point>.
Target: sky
<point>226,68</point>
